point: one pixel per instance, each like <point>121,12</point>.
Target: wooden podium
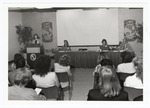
<point>33,52</point>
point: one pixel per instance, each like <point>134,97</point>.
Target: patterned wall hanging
<point>47,32</point>
<point>130,30</point>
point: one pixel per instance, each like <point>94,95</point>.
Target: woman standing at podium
<point>66,46</point>
<point>36,39</point>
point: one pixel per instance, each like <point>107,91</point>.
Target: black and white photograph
<point>81,52</point>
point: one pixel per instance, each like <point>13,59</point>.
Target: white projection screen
<point>87,27</point>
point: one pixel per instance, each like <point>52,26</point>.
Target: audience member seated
<point>18,90</point>
<point>109,88</point>
<point>43,77</point>
<point>127,66</point>
<point>136,80</point>
<point>18,62</point>
<point>103,62</point>
<point>124,54</point>
<point>66,46</point>
<point>63,65</point>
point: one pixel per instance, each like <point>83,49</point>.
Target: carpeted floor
<point>82,80</point>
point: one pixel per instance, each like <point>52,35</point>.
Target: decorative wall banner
<point>47,32</point>
<point>130,30</point>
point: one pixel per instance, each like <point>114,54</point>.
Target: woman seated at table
<point>104,45</point>
<point>66,46</point>
<point>43,77</point>
<point>125,46</point>
<point>136,80</point>
<point>18,91</point>
<point>109,88</point>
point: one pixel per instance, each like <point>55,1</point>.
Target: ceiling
<point>54,9</point>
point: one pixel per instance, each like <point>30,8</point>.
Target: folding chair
<point>50,93</point>
<point>65,82</point>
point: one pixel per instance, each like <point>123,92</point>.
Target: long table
<point>88,59</point>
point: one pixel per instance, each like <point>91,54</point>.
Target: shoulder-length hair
<point>67,43</point>
<point>36,35</point>
<point>64,60</point>
<point>42,65</point>
<point>109,84</point>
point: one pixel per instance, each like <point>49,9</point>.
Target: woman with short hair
<point>63,65</point>
<point>109,87</point>
<point>18,91</point>
<point>104,45</point>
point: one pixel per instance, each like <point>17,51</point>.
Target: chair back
<point>96,80</point>
<point>63,77</point>
<point>123,76</point>
<point>65,82</point>
<point>133,92</point>
<point>51,92</point>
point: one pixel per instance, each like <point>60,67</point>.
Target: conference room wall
<point>14,19</point>
<point>125,14</point>
<point>34,19</point>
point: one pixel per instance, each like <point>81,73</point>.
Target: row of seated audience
<point>108,84</point>
<point>21,79</point>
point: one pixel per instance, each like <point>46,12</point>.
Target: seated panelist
<point>66,46</point>
<point>104,45</point>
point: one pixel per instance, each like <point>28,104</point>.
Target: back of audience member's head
<point>108,82</point>
<point>17,56</point>
<point>128,57</point>
<point>19,61</point>
<point>101,57</point>
<point>23,76</point>
<point>64,60</point>
<point>42,65</point>
<point>106,62</point>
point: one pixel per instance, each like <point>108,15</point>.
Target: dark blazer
<point>102,47</point>
<point>94,94</point>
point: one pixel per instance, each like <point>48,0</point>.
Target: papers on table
<point>38,90</point>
